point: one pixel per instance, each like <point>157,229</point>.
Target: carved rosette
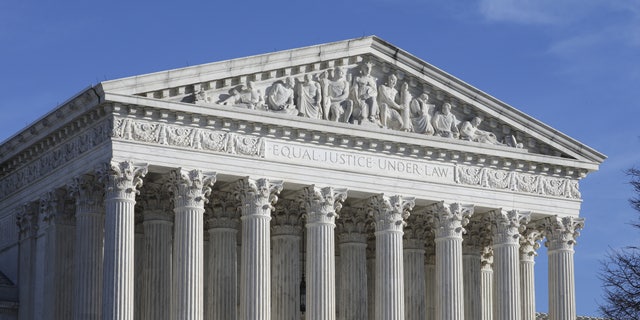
<point>191,188</point>
<point>561,232</point>
<point>322,205</point>
<point>390,212</point>
<point>88,192</point>
<point>287,218</point>
<point>415,232</point>
<point>449,219</point>
<point>155,201</point>
<point>507,225</point>
<point>223,212</point>
<point>529,243</point>
<point>352,225</point>
<point>258,196</point>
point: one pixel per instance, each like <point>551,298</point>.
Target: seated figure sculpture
<point>469,131</point>
<point>392,112</point>
<point>444,122</point>
<point>421,112</point>
<point>280,97</point>
<point>335,103</point>
<point>244,96</point>
<point>365,93</point>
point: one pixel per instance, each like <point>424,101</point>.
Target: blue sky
<point>573,64</point>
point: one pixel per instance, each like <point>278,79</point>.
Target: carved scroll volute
<point>321,205</point>
<point>562,232</point>
<point>530,242</point>
<point>191,188</point>
<point>123,179</point>
<point>449,219</point>
<point>390,213</point>
<point>507,225</point>
<point>258,196</point>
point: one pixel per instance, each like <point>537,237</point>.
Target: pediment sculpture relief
<point>358,97</point>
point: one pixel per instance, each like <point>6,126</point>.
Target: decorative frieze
<point>517,181</point>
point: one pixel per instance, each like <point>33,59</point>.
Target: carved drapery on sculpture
<point>257,196</point>
<point>322,205</point>
<point>449,219</point>
<point>562,232</point>
<point>517,181</point>
<point>390,212</point>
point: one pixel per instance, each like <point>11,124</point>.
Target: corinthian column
<point>414,268</point>
<point>528,247</point>
<point>286,236</point>
<point>430,277</point>
<point>89,248</point>
<point>256,198</point>
<point>27,221</point>
<point>190,191</point>
<point>122,181</point>
<point>157,255</point>
<point>506,262</point>
<point>561,234</point>
<point>389,214</point>
<point>223,259</point>
<point>487,283</point>
<point>474,242</point>
<point>321,206</point>
<point>352,240</point>
<point>449,222</point>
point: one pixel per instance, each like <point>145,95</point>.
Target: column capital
<point>54,207</point>
<point>530,242</point>
<point>486,258</point>
<point>191,188</point>
<point>507,225</point>
<point>257,196</point>
<point>322,204</point>
<point>123,179</point>
<point>287,218</point>
<point>88,192</point>
<point>449,219</point>
<point>155,202</point>
<point>352,225</point>
<point>27,219</point>
<point>415,232</point>
<point>477,237</point>
<point>389,212</point>
<point>561,232</point>
<point>224,211</point>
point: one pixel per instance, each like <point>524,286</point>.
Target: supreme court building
<point>348,180</point>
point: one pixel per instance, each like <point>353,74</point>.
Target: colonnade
<point>442,261</point>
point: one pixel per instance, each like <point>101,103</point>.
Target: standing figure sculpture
<point>421,113</point>
<point>335,102</point>
<point>310,98</point>
<point>391,113</point>
<point>444,122</point>
<point>280,97</point>
<point>365,93</point>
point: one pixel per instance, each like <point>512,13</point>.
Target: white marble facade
<point>349,180</point>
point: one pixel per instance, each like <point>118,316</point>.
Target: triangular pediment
<point>307,82</point>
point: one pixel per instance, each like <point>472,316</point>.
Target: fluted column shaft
<point>414,280</point>
<point>506,263</point>
<point>119,238</point>
<point>157,259</point>
<point>321,205</point>
<point>89,249</point>
<point>371,278</point>
<point>449,222</point>
<point>353,277</point>
<point>528,246</point>
<point>561,236</point>
<point>285,272</point>
<point>430,286</point>
<point>223,276</point>
<point>257,199</point>
<point>389,214</point>
<point>486,274</point>
<point>472,283</point>
<point>191,189</point>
